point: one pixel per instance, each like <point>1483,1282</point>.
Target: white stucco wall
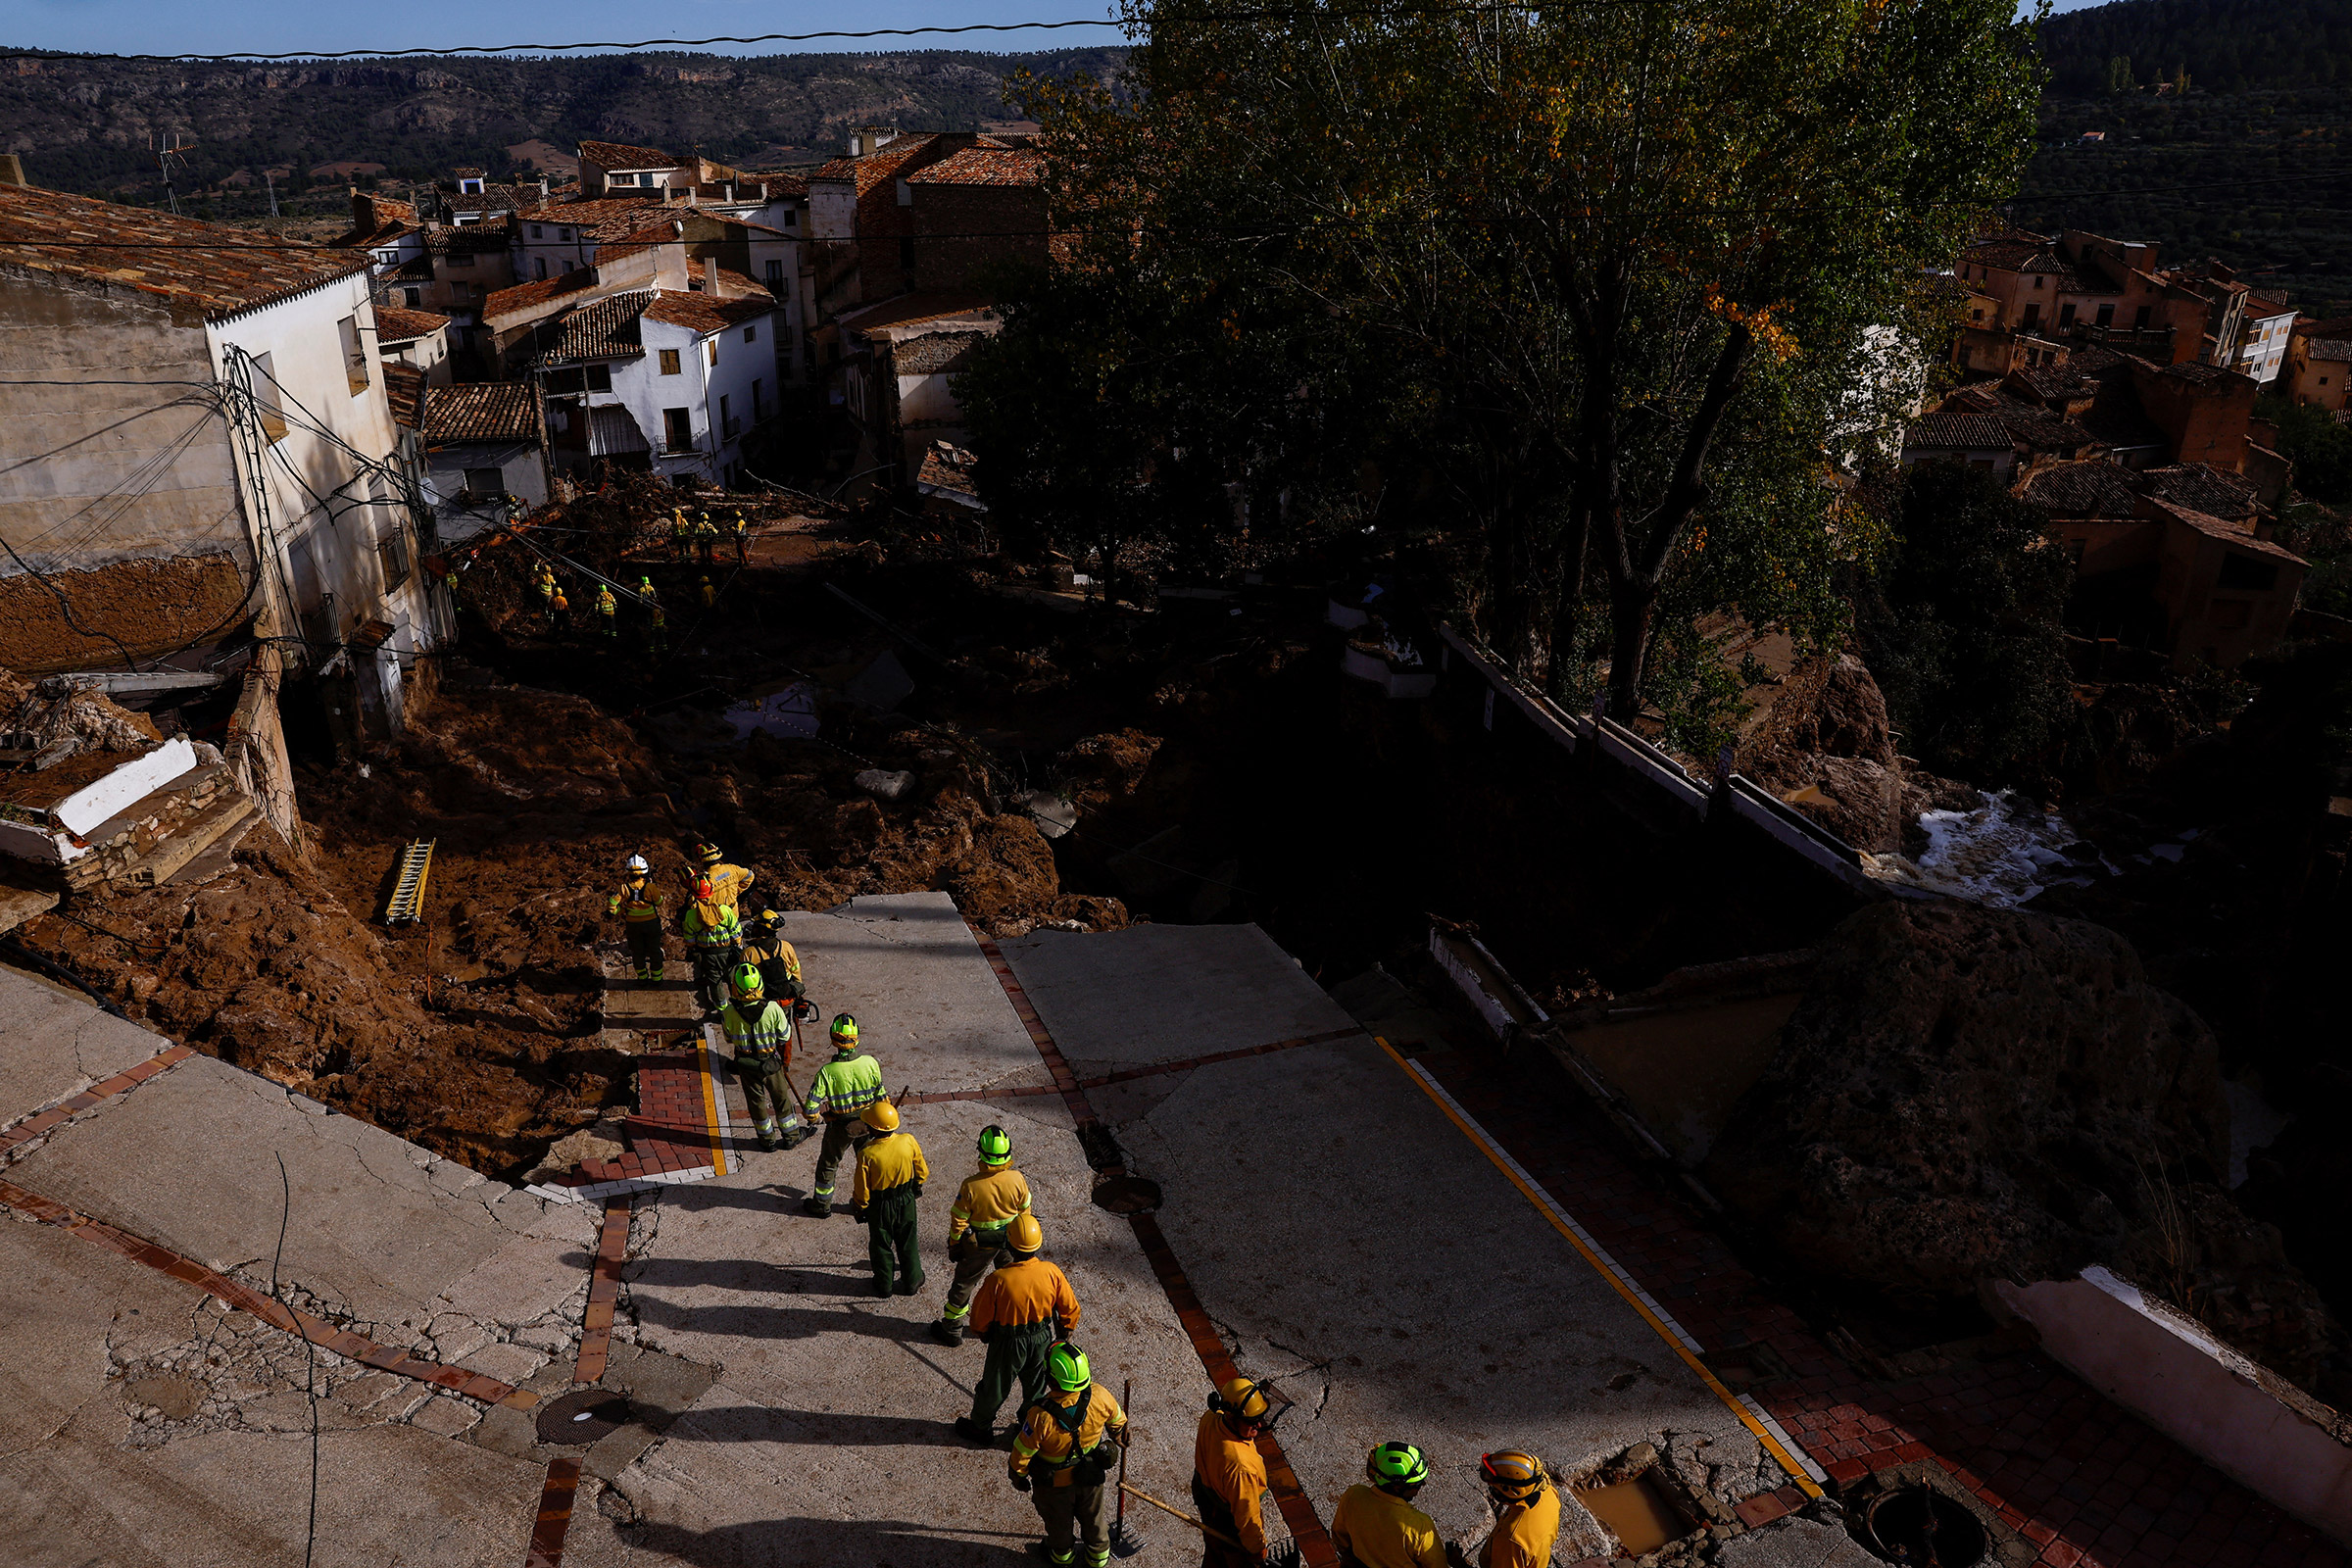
<point>698,388</point>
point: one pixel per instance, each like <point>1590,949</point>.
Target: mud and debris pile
<point>1970,1094</point>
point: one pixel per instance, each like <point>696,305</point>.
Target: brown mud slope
<point>475,1032</point>
<point>1970,1093</point>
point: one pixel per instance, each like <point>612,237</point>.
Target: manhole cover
<point>583,1415</point>
<point>1127,1194</point>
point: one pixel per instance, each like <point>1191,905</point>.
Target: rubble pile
<point>1969,1093</point>
<point>94,721</point>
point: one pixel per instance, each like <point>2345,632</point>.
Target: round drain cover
<point>583,1415</point>
<point>1127,1194</point>
<point>1917,1524</point>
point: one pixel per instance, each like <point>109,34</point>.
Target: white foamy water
<point>1999,854</point>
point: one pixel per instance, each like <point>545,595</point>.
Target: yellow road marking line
<point>711,1111</point>
<point>1634,1297</point>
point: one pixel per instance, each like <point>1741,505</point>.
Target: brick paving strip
<point>1125,1074</point>
<point>2084,1481</point>
<point>1806,1475</point>
<point>554,1521</point>
<point>1297,1512</point>
<point>677,1133</point>
<point>130,1078</point>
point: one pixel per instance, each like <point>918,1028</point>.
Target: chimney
<point>543,187</point>
<point>11,170</point>
<point>711,275</point>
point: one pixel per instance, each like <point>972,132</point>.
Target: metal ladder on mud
<point>408,888</point>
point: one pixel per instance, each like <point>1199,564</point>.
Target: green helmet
<point>746,982</point>
<point>994,1147</point>
<point>1396,1464</point>
<point>1067,1366</point>
<point>845,1033</point>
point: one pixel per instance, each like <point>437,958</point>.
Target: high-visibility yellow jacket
<point>888,1160</point>
<point>1056,1453</point>
<point>639,897</point>
<point>988,1201</point>
<point>844,1086</point>
<point>1524,1533</point>
<point>727,882</point>
<point>757,1029</point>
<point>717,929</point>
<point>1031,1291</point>
<point>1385,1532</point>
<point>1236,1472</point>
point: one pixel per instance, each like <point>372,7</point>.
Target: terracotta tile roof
<point>487,411</point>
<point>901,309</point>
<point>985,166</point>
<point>2098,487</point>
<point>933,353</point>
<point>470,238</point>
<point>602,329</point>
<point>875,168</point>
<point>613,155</point>
<point>2035,428</point>
<point>523,296</point>
<point>1957,432</point>
<point>605,217</point>
<point>403,389</point>
<point>2236,535</point>
<point>742,285</point>
<point>780,182</point>
<point>2327,348</point>
<point>2315,329</point>
<point>2202,487</point>
<point>383,234</point>
<point>396,326</point>
<point>225,270</point>
<point>700,313</point>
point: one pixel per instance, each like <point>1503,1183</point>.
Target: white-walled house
<point>213,448</point>
<point>667,380</point>
<point>484,448</point>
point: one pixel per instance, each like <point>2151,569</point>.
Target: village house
<point>416,338</point>
<point>2319,364</point>
<point>485,449</point>
<point>898,377</point>
<point>219,454</point>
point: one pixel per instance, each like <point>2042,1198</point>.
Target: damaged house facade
<point>220,491</point>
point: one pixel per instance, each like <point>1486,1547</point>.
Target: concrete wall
<point>2205,421</point>
<point>698,388</point>
<point>122,461</point>
<point>522,471</point>
<point>2156,1363</point>
<point>2213,624</point>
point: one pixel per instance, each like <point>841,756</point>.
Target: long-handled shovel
<point>1124,1543</point>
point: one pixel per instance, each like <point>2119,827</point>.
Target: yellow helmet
<point>1511,1474</point>
<point>882,1116</point>
<point>1242,1403</point>
<point>1024,1235</point>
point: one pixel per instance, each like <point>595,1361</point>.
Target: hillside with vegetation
<point>2224,128</point>
<point>90,125</point>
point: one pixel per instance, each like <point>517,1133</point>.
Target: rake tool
<point>1124,1543</point>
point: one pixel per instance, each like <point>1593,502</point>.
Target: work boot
<point>768,1139</point>
<point>908,1286</point>
<point>881,1286</point>
<point>971,1430</point>
<point>817,1208</point>
<point>796,1134</point>
<point>947,1333</point>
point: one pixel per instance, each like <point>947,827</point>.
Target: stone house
<point>2319,364</point>
<point>483,444</point>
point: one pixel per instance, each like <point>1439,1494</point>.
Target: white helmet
<point>638,865</point>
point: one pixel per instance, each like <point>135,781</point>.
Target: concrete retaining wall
<point>2244,1421</point>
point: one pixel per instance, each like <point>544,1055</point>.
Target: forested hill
<point>2224,45</point>
<point>86,124</point>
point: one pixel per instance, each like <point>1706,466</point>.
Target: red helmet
<point>702,890</point>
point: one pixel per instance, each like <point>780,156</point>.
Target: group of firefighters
<point>1072,1433</point>
<point>651,616</point>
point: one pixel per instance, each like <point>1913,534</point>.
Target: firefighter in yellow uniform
<point>1023,1309</point>
<point>985,1205</point>
<point>1377,1525</point>
<point>728,882</point>
<point>890,1177</point>
<point>1526,1511</point>
<point>1067,1448</point>
<point>1229,1475</point>
<point>639,905</point>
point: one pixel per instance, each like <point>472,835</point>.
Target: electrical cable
<point>310,1354</point>
<point>57,971</point>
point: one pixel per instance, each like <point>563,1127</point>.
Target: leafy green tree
<point>2119,75</point>
<point>1630,258</point>
<point>2320,447</point>
<point>1962,624</point>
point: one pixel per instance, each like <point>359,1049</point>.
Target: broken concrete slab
<point>1165,993</point>
<point>1310,1244</point>
<point>1795,1542</point>
<point>520,1283</point>
<point>86,1483</point>
<point>20,903</point>
<point>371,1232</point>
<point>54,1044</point>
<point>885,783</point>
<point>928,1006</point>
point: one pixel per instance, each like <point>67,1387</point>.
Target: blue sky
<point>219,26</point>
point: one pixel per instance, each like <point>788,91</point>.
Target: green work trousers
<point>974,1253</point>
<point>1012,1353</point>
<point>712,963</point>
<point>766,1092</point>
<point>840,1133</point>
<point>889,1240</point>
<point>1070,1513</point>
<point>645,947</point>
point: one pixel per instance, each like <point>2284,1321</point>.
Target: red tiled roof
<point>488,411</point>
<point>382,234</point>
<point>605,217</point>
<point>985,166</point>
<point>602,329</point>
<point>2236,535</point>
<point>226,270</point>
<point>404,390</point>
<point>2098,487</point>
<point>613,155</point>
<point>394,324</point>
<point>875,168</point>
<point>780,182</point>
<point>1958,432</point>
<point>700,313</point>
<point>522,296</point>
<point>471,238</point>
<point>2203,487</point>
